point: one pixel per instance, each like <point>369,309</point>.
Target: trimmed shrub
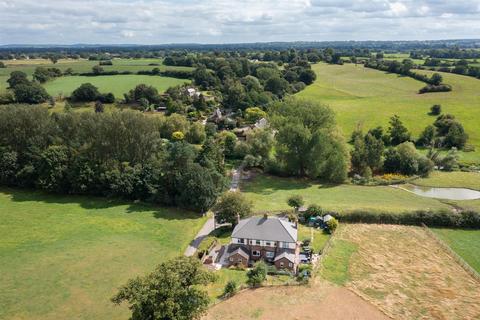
<point>438,218</point>
<point>230,290</point>
<point>257,275</point>
<point>332,225</point>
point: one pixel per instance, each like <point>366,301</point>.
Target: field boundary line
<point>365,298</point>
<point>326,248</point>
<point>472,272</point>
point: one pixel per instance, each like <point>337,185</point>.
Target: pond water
<point>442,193</point>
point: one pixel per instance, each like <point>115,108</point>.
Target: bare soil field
<point>320,301</point>
<point>408,275</point>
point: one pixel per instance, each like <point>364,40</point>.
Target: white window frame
<point>258,242</point>
<point>231,259</point>
<point>281,264</point>
<point>268,243</point>
<point>269,254</point>
<point>290,264</point>
<point>256,251</point>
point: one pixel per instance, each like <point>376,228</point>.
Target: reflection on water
<point>443,193</point>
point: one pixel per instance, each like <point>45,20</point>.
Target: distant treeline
<point>181,74</point>
<point>119,154</point>
<point>139,51</point>
<point>448,53</point>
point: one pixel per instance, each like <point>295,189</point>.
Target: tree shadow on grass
<point>94,203</point>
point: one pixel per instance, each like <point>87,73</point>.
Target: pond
<point>442,193</point>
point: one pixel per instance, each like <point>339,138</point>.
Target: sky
<point>225,21</point>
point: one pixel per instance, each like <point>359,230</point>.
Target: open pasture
<point>118,84</point>
<point>63,257</point>
<point>80,66</point>
<point>455,179</point>
<point>370,97</point>
<point>271,193</point>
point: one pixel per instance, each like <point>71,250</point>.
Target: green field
<point>466,243</point>
<point>401,56</point>
<point>370,97</point>
<point>335,266</point>
<point>80,66</point>
<point>62,257</point>
<point>118,84</point>
<point>271,193</point>
<point>456,179</point>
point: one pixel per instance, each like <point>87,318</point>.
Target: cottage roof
<point>239,251</point>
<point>327,218</point>
<point>288,255</point>
<point>266,228</point>
<point>261,124</point>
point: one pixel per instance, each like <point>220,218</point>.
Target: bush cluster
<point>434,88</point>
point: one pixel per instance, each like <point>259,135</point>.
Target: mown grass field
<point>370,97</point>
<point>466,243</point>
<point>456,179</point>
<point>80,66</point>
<point>63,257</point>
<point>118,85</point>
<point>271,193</point>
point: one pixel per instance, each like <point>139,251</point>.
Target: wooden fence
<point>452,253</point>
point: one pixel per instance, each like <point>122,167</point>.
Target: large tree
<point>172,291</point>
<point>397,131</point>
<point>85,93</point>
<point>307,141</point>
<point>31,93</point>
<point>16,78</point>
<point>231,207</point>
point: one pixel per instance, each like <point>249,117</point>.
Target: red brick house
<point>271,239</point>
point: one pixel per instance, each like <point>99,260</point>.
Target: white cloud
<point>398,8</point>
<point>221,21</point>
<point>128,34</point>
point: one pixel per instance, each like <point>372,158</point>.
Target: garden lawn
<point>270,193</point>
<point>63,257</point>
<point>456,179</point>
<point>320,237</point>
<point>466,243</point>
<point>370,97</point>
<point>118,84</point>
<point>215,290</point>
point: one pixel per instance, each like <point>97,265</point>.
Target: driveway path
<point>209,226</point>
<point>236,175</point>
<point>205,231</point>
